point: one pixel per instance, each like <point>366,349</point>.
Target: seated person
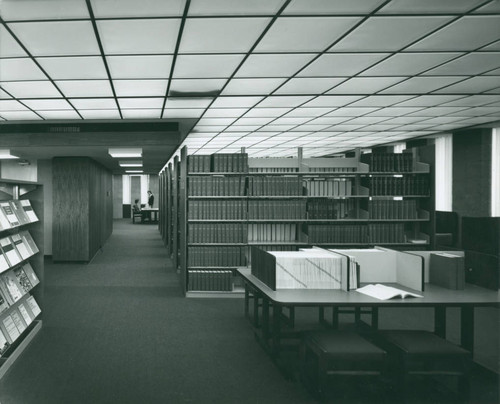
<point>136,207</point>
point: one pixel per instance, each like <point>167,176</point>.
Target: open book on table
<point>384,292</point>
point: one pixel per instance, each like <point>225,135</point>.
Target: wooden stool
<point>415,352</point>
<point>336,353</point>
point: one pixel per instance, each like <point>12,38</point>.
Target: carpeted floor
<point>118,330</point>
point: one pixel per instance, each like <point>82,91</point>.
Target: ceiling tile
<point>473,101</point>
<point>466,34</point>
<point>436,111</point>
<point>4,95</point>
<point>330,120</point>
<point>209,66</point>
<point>141,113</point>
<point>477,111</point>
<point>175,113</point>
<point>332,101</point>
<point>381,100</point>
<point>52,104</point>
<point>93,103</point>
<point>11,105</point>
<point>307,112</point>
<point>403,120</point>
<point>273,65</point>
<point>225,112</point>
<point>19,115</point>
<point>355,111</point>
<point>131,88</point>
<point>235,102</point>
<point>43,10</point>
<point>266,112</point>
<point>303,7</point>
<point>140,103</point>
<point>85,88</point>
<point>140,67</point>
<point>395,111</point>
<point>408,64</point>
<point>365,85</point>
<point>57,38</point>
<point>309,85</point>
<point>211,35</point>
<point>188,102</point>
<point>258,86</point>
<point>59,114</point>
<point>79,67</point>
<point>429,6</point>
<point>471,64</point>
<point>9,46</point>
<point>100,114</point>
<point>289,34</point>
<point>31,89</point>
<point>139,36</point>
<point>428,100</point>
<point>473,85</point>
<point>196,87</point>
<point>377,33</point>
<point>291,121</point>
<point>252,121</point>
<point>283,101</point>
<point>234,7</point>
<point>495,46</point>
<point>215,121</point>
<point>133,8</point>
<point>345,64</point>
<point>20,69</point>
<point>421,85</point>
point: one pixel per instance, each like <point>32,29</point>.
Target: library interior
<point>249,201</point>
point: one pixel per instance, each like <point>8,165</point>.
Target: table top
<point>433,295</point>
<point>151,209</point>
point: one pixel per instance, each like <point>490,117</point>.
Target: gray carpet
<point>118,330</point>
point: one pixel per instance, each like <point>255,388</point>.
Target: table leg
<point>467,328</point>
<point>335,317</point>
<point>276,331</point>
<point>265,320</point>
<point>440,321</point>
<point>255,308</point>
<point>374,318</point>
<point>247,298</point>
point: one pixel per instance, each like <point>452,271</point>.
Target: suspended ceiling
<point>267,75</point>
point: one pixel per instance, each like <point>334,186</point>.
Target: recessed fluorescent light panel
<point>131,163</point>
<point>5,155</point>
<point>125,152</point>
<point>133,171</point>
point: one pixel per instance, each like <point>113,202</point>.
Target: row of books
<point>16,213</point>
<point>217,233</point>
<point>16,320</point>
<point>277,209</point>
<point>260,232</point>
<point>389,162</point>
<point>330,208</point>
<point>216,256</point>
<point>16,283</point>
<point>357,233</point>
<point>406,185</point>
<point>329,187</point>
<point>210,280</point>
<point>216,186</point>
<point>332,169</point>
<point>273,169</point>
<point>217,210</point>
<point>275,186</point>
<point>392,209</point>
<point>219,162</point>
<point>335,233</point>
<point>16,248</point>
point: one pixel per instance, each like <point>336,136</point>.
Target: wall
<point>45,178</point>
<point>117,196</point>
<point>472,172</point>
<point>82,198</point>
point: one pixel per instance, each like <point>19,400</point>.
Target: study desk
<point>434,297</point>
<point>150,214</point>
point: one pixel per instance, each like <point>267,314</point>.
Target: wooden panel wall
<point>83,208</point>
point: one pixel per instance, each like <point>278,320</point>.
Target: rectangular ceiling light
<point>5,154</point>
<point>131,163</point>
<point>134,171</point>
<point>125,152</point>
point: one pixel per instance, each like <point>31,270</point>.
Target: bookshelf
<point>21,267</point>
<point>228,203</point>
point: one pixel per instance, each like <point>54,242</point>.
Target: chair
<point>337,353</point>
<point>415,352</point>
<point>136,215</point>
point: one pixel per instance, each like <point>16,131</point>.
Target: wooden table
<point>434,297</point>
<point>150,214</point>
